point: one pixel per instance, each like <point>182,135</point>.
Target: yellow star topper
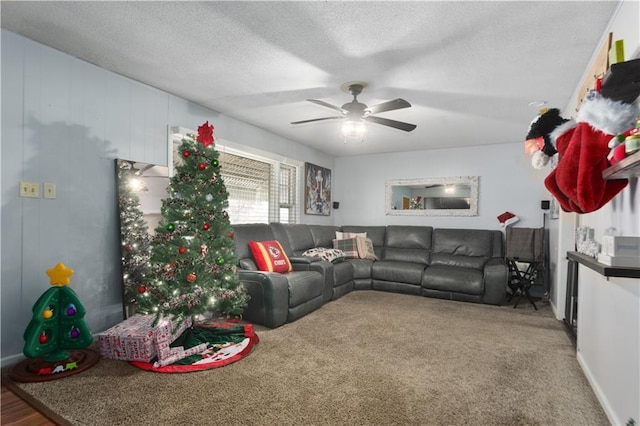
<point>59,276</point>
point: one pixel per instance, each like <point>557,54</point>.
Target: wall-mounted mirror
<point>141,189</point>
<point>434,196</point>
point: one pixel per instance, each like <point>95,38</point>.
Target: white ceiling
<point>470,69</point>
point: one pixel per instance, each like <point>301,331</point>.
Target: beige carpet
<point>367,358</point>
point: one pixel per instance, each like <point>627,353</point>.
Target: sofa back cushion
<point>408,244</point>
<point>295,239</point>
<point>323,235</point>
<point>467,248</point>
<point>242,234</point>
<point>463,242</point>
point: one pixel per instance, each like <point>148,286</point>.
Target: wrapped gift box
<point>134,339</point>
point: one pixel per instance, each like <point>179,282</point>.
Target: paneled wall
<point>65,121</point>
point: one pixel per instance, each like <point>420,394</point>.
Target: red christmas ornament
<point>142,289</point>
<point>43,339</point>
<point>186,153</point>
<point>230,234</point>
<point>182,250</point>
<point>191,277</point>
<point>205,227</point>
<point>202,166</point>
<point>128,248</point>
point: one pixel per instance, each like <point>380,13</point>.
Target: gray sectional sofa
<point>457,264</point>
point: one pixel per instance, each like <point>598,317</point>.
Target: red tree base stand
<point>57,335</point>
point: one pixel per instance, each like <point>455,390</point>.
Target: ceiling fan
<point>357,111</point>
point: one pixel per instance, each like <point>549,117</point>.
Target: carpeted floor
<point>367,358</point>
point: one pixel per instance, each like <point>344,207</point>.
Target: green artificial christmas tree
<point>134,236</point>
<point>192,255</point>
<point>58,320</point>
<point>57,336</point>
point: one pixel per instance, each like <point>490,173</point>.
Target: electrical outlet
<point>49,190</point>
<point>29,189</point>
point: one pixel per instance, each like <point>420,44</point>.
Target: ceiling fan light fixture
<point>354,130</point>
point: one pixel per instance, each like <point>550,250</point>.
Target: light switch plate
<point>49,190</point>
<point>29,189</point>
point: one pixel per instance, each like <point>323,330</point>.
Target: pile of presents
<point>136,339</point>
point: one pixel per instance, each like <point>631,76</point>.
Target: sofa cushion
<point>328,254</point>
<point>453,279</point>
<point>471,262</point>
<point>365,248</point>
<point>323,235</point>
<point>242,234</point>
<point>348,246</point>
<point>361,268</point>
<point>374,233</point>
<point>462,242</point>
<point>408,244</point>
<point>270,256</point>
<point>395,271</point>
<point>304,286</point>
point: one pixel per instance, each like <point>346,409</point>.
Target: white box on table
<point>621,246</point>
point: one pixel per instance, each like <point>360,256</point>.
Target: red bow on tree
<point>205,134</point>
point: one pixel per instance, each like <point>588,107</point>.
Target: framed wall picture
<point>317,190</point>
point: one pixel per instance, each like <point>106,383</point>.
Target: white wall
<point>65,121</point>
<point>608,342</point>
<point>507,183</point>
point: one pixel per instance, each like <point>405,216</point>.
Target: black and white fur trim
<point>605,115</point>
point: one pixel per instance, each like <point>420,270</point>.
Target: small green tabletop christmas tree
<point>58,320</point>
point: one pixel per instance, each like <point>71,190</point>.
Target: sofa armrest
<point>302,262</point>
<point>269,303</point>
<point>496,275</point>
<point>326,269</point>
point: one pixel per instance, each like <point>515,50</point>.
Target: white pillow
<point>347,235</point>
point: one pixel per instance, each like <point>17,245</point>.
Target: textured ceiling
<point>470,69</point>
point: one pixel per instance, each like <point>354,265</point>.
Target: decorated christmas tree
<point>192,255</point>
<point>134,235</point>
<point>58,320</point>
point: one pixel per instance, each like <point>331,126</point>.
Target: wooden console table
<point>571,300</point>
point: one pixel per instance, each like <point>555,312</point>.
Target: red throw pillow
<point>270,256</point>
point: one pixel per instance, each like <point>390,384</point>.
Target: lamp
<point>354,130</point>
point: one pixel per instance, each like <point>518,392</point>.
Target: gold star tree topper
<point>60,275</point>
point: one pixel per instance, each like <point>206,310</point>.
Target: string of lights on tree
<point>192,255</point>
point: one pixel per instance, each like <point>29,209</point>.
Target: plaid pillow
<point>347,235</point>
<point>348,246</point>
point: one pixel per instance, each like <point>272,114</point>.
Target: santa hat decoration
<point>577,181</point>
<point>538,142</point>
<point>507,218</point>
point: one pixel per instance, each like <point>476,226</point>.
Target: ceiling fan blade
<point>317,119</point>
<point>388,106</point>
<point>391,123</point>
<point>327,105</point>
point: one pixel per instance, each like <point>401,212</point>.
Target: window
<point>261,188</point>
